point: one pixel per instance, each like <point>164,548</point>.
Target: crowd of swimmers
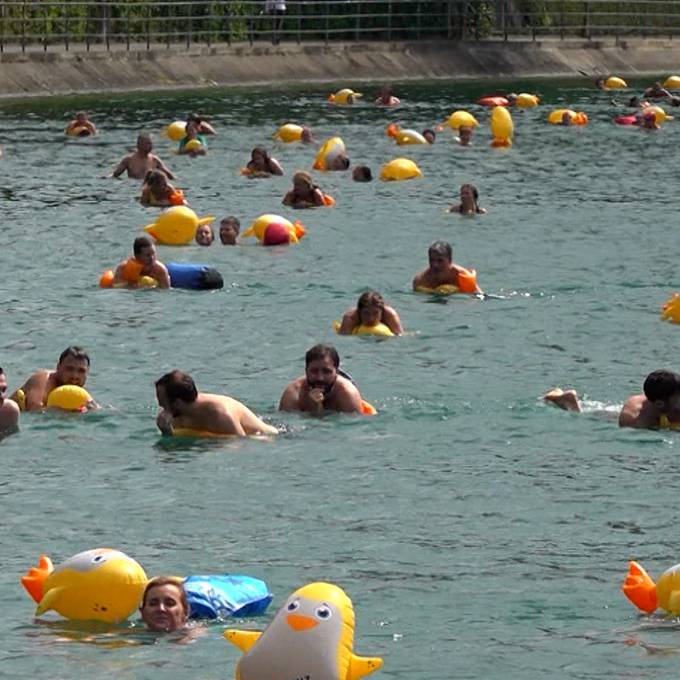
<point>323,386</point>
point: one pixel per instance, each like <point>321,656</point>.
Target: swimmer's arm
<point>164,422</point>
<point>221,421</point>
<point>118,274</point>
<point>145,198</point>
<point>634,414</point>
<point>288,199</point>
<point>350,320</point>
<point>161,166</point>
<point>481,211</point>
<point>254,425</point>
<point>121,167</point>
<point>455,208</point>
<point>290,399</point>
<point>349,399</point>
<point>91,127</point>
<point>206,129</point>
<point>391,319</point>
<point>318,197</point>
<point>275,167</point>
<point>419,280</point>
<point>161,275</point>
<point>35,389</point>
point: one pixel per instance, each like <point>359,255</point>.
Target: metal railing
<point>101,24</point>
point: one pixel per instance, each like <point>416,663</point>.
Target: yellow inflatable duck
<point>400,169</point>
<point>95,585</point>
<point>344,96</point>
<point>402,137</point>
<point>647,596</point>
<point>260,226</point>
<point>501,127</point>
<point>311,636</point>
<point>671,309</point>
<point>176,226</point>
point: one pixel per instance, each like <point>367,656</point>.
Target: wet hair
<point>143,136</point>
<point>370,298</point>
<point>661,385</point>
<point>232,221</point>
<point>178,385</point>
<point>139,243</point>
<point>167,581</point>
<point>154,176</point>
<point>441,248</point>
<point>345,162</point>
<point>75,352</point>
<point>475,193</point>
<point>305,176</point>
<point>363,173</point>
<point>321,352</point>
<point>428,131</point>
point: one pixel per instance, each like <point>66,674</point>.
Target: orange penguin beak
<point>299,623</point>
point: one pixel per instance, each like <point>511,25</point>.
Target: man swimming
<point>140,161</point>
<point>9,410</point>
<point>321,388</point>
<point>657,407</point>
<point>441,271</point>
<point>142,263</point>
<point>72,369</point>
<point>184,407</point>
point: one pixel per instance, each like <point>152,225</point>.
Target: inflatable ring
<point>379,330</point>
<point>467,283</point>
<point>672,83</point>
<point>632,119</point>
<point>342,96</point>
<point>400,169</point>
<point>311,636</point>
<point>191,146</point>
<point>198,434</point>
<point>615,83</point>
<point>443,289</point>
<point>328,152</point>
<point>95,585</point>
<point>492,101</point>
<point>403,137</point>
<point>69,398</point>
<point>501,127</point>
<point>459,119</point>
<point>260,226</point>
<point>176,226</point>
<point>577,118</point>
<point>79,131</point>
<point>288,133</point>
<point>526,101</point>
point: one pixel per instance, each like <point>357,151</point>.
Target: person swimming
<point>204,235</point>
<point>304,194</point>
<point>469,205</point>
<point>261,164</point>
<point>230,228</point>
<point>157,191</point>
<point>370,311</point>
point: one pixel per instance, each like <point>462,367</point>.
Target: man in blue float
<point>72,368</point>
<point>321,388</point>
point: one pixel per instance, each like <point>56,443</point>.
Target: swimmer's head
<point>662,388</point>
<point>512,98</point>
<point>81,117</point>
<point>165,606</point>
<point>144,250</point>
<point>362,173</point>
<point>73,366</point>
<point>230,228</point>
<point>204,235</point>
<point>303,180</point>
<point>144,144</point>
<point>175,388</point>
<point>156,179</point>
<point>440,249</point>
<point>469,195</point>
<point>370,307</point>
<point>321,367</point>
<point>429,135</point>
<point>306,137</point>
<point>340,162</point>
<point>464,134</point>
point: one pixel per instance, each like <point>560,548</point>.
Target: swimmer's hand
<point>92,405</point>
<point>316,396</point>
<point>164,422</point>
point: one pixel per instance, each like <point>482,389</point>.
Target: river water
<point>479,533</point>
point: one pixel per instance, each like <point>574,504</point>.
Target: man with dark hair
<point>657,407</point>
<point>72,369</point>
<point>321,388</point>
<point>142,263</point>
<point>9,410</point>
<point>183,407</point>
<point>443,272</point>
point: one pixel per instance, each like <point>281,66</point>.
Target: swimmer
<point>157,191</point>
<point>205,235</point>
<point>144,254</point>
<point>566,118</point>
<point>512,98</point>
<point>468,205</point>
<point>139,162</point>
<point>340,162</point>
<point>361,173</point>
<point>200,124</point>
<point>657,91</point>
<point>441,271</point>
<point>81,121</point>
<point>601,83</point>
<point>9,410</point>
<point>307,137</point>
<point>370,310</point>
<point>184,407</point>
<point>464,136</point>
<point>193,131</point>
<point>658,405</point>
<point>230,228</point>
<point>304,194</point>
<point>261,164</point>
<point>165,608</point>
<point>72,369</point>
<point>648,121</point>
<point>429,135</point>
<point>321,388</point>
<point>386,97</point>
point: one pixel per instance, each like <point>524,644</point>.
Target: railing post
<point>357,21</point>
<point>190,26</point>
<point>23,26</point>
<point>418,21</point>
<point>504,21</point>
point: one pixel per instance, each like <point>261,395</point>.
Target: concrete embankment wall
<point>61,72</point>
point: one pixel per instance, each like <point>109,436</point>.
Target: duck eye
<point>295,604</point>
<point>98,558</point>
<point>323,613</point>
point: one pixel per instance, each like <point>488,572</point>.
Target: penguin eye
<point>98,558</point>
<point>295,604</point>
<point>323,613</point>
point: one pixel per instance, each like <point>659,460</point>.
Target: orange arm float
<point>639,588</point>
